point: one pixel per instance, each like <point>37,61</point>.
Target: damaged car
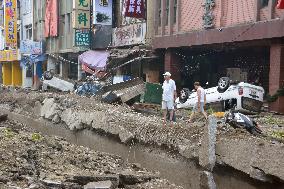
<point>243,96</point>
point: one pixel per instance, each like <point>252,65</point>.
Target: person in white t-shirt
<point>200,101</point>
<point>169,96</point>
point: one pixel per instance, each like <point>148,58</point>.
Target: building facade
<point>58,22</point>
<point>204,40</point>
<point>9,40</point>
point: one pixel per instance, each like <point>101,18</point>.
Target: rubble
<point>234,148</point>
<point>45,162</point>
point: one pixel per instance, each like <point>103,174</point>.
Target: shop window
<point>264,3</point>
<point>29,32</point>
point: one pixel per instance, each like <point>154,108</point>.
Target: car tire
<point>223,84</point>
<point>184,94</point>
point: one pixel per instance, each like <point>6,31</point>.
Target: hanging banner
<point>135,9</point>
<point>102,12</point>
<point>51,18</point>
<point>280,4</point>
<point>11,23</point>
<point>82,37</point>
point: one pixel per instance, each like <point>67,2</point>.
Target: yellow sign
<point>11,23</point>
<point>9,55</point>
<point>81,19</point>
<point>82,5</point>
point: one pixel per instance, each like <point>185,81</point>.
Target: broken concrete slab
<point>248,154</point>
<point>207,156</point>
<point>59,84</point>
<point>49,109</point>
<point>100,185</point>
<point>129,177</point>
<point>83,180</point>
<point>207,180</point>
<point>51,183</point>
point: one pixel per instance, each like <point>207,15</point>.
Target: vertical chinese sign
<point>81,22</point>
<point>135,9</point>
<point>11,23</point>
<point>81,14</point>
<point>102,11</point>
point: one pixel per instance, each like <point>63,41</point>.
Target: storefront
<point>11,70</point>
<point>33,58</point>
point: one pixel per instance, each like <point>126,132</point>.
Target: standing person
<point>169,96</point>
<point>200,101</point>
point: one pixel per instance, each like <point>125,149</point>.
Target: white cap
<point>167,74</point>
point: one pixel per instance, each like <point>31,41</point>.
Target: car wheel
<point>184,93</point>
<point>223,84</point>
<point>47,75</point>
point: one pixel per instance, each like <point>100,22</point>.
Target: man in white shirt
<point>169,96</point>
<point>200,101</point>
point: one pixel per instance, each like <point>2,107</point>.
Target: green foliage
<point>278,134</point>
<point>272,120</point>
<point>210,111</point>
<point>36,137</point>
<point>9,133</point>
<point>273,98</point>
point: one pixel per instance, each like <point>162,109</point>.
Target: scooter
<point>239,120</point>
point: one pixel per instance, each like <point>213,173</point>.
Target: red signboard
<point>280,4</point>
<point>135,9</point>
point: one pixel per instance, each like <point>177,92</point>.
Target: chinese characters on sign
<point>81,14</point>
<point>102,11</point>
<point>135,8</point>
<point>9,55</point>
<point>133,34</point>
<point>81,5</point>
<point>11,23</point>
<point>82,38</point>
<point>31,47</point>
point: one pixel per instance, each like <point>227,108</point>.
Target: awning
<point>94,59</point>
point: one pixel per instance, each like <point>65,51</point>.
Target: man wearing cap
<point>169,96</point>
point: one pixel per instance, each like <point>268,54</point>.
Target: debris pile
<point>30,160</point>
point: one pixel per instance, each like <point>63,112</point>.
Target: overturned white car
<point>244,96</point>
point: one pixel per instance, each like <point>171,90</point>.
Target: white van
<point>246,97</point>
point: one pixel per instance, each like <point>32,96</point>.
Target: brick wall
<point>276,75</point>
<point>227,13</point>
<point>172,64</point>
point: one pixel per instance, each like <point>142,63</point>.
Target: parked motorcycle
<point>239,120</point>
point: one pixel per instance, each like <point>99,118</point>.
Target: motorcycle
<point>239,120</point>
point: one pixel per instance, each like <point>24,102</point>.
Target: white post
<point>79,70</point>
